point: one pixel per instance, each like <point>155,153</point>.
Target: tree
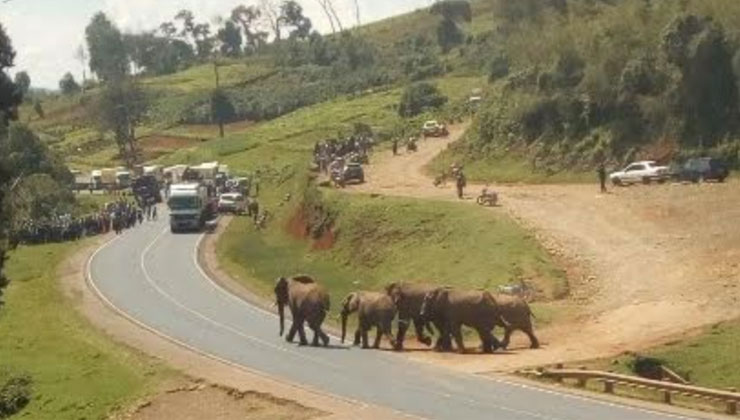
<point>222,110</point>
<point>271,14</point>
<point>449,33</point>
<point>10,98</point>
<point>248,17</point>
<point>120,108</point>
<point>108,58</point>
<point>230,39</point>
<point>81,55</point>
<point>68,85</point>
<point>419,97</point>
<point>331,14</point>
<point>204,43</point>
<point>23,82</point>
<point>188,22</point>
<point>291,14</point>
<point>707,94</point>
<point>10,95</point>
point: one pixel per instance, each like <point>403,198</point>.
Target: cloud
<point>46,33</point>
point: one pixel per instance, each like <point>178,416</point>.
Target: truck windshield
<point>183,203</point>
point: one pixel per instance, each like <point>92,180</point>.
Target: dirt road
<point>654,262</point>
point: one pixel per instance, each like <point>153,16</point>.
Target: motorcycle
<point>487,198</point>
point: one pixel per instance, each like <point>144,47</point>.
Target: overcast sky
<point>46,33</point>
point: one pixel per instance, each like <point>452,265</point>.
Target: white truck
<point>189,207</point>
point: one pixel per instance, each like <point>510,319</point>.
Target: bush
<point>15,395</point>
<point>498,67</point>
<point>420,97</point>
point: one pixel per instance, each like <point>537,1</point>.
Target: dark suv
<point>354,172</point>
<point>703,169</point>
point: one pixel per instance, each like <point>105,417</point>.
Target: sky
<point>46,33</point>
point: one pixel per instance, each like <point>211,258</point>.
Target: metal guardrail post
<point>731,404</point>
<point>609,387</point>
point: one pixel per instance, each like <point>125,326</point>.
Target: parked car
<point>434,129</point>
<point>702,169</point>
<point>646,172</point>
<point>232,203</point>
<point>354,172</point>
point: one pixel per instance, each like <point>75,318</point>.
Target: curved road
<point>153,277</point>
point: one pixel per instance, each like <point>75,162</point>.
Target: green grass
<point>77,372</point>
<point>385,239</point>
<point>203,77</point>
<point>709,359</point>
<point>507,168</point>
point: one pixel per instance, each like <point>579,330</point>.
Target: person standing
<point>395,147</point>
<point>602,177</point>
<point>460,184</point>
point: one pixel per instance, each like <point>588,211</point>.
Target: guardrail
<point>731,398</point>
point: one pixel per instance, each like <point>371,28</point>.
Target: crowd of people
<point>112,217</point>
<point>332,154</point>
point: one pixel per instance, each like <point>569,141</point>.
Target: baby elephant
<point>518,316</point>
<point>373,310</point>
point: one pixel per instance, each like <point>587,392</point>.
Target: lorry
<point>174,174</point>
<point>190,206</point>
<point>206,172</point>
<point>123,179</point>
<point>107,179</point>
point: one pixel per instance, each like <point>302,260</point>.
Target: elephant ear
<point>353,302</point>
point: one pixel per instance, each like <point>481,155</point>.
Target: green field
<point>709,359</point>
<point>77,373</point>
<point>380,240</point>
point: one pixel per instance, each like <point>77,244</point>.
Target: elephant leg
<point>365,331</point>
<point>358,335</point>
<point>302,333</point>
<point>534,343</point>
<point>419,327</point>
<point>403,325</point>
<point>487,340</point>
<point>457,334</point>
<point>315,341</point>
<point>324,337</point>
<point>387,331</point>
<point>293,330</point>
<point>507,337</point>
<point>378,335</point>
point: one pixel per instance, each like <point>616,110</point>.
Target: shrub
<point>15,395</point>
<point>419,97</point>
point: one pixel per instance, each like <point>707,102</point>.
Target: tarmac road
<point>152,276</point>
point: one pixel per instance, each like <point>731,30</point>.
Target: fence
<point>731,398</point>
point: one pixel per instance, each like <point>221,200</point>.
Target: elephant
<point>308,302</point>
<point>408,298</point>
<point>373,310</point>
<point>518,315</point>
<point>455,308</point>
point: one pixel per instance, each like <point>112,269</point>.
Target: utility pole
<point>218,115</point>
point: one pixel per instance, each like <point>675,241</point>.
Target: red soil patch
<point>156,141</point>
<point>297,227</point>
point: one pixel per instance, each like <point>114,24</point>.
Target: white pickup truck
<point>645,172</point>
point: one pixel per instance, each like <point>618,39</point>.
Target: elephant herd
<point>430,308</point>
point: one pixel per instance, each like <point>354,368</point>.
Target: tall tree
<point>271,14</point>
<point>10,98</point>
<point>248,17</point>
<point>108,58</point>
<point>291,14</point>
<point>452,12</point>
<point>331,15</point>
<point>23,82</point>
<point>230,39</point>
<point>188,22</point>
<point>204,42</point>
<point>120,108</point>
<point>81,55</point>
<point>68,85</point>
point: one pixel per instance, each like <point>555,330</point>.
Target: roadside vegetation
<point>70,370</point>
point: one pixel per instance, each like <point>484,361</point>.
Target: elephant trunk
<point>345,315</point>
<point>281,311</point>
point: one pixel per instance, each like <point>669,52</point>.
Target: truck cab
<point>188,205</point>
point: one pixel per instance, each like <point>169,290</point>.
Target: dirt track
<point>654,262</point>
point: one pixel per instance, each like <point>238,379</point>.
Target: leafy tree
<point>168,30</point>
<point>188,22</point>
<point>68,85</point>
<point>707,94</point>
<point>291,14</point>
<point>120,108</point>
<point>514,11</point>
<point>108,56</point>
<point>419,97</point>
<point>248,17</point>
<point>222,110</point>
<point>449,33</point>
<point>419,59</point>
<point>23,82</point>
<point>10,95</point>
<point>204,43</point>
<point>230,38</point>
<point>27,154</point>
<point>10,98</point>
<point>498,67</point>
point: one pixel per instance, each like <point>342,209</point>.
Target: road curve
<point>153,277</point>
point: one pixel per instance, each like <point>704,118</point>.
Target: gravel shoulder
<point>648,264</point>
